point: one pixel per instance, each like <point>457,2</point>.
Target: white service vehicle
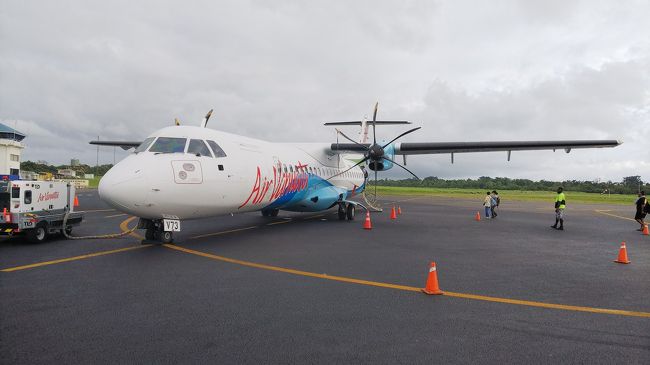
<point>37,208</point>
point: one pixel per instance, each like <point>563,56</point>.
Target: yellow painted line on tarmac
<point>75,258</point>
<point>116,215</point>
<point>289,271</point>
<point>123,226</point>
<point>613,215</point>
<point>223,232</point>
<point>411,288</point>
<point>279,222</point>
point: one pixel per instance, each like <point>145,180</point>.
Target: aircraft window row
<point>218,152</point>
<point>169,145</point>
<point>144,145</point>
<point>199,148</point>
<point>177,145</point>
<point>322,172</point>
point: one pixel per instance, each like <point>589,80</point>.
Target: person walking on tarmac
<point>560,205</point>
<point>640,210</point>
<point>495,203</point>
<point>487,203</point>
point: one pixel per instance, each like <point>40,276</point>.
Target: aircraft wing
<point>421,148</point>
<point>125,145</point>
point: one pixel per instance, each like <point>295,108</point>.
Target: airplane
<point>188,172</point>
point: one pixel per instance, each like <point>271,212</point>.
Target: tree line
<point>80,169</point>
<point>629,184</point>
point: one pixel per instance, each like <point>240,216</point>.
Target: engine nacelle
<point>383,164</point>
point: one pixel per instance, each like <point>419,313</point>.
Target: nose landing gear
<point>155,232</point>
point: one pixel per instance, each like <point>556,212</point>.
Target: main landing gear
<point>155,232</point>
<point>346,211</point>
<point>270,212</point>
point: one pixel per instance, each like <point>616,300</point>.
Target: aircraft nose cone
<point>124,187</point>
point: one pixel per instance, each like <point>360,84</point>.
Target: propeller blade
<point>343,172</point>
<point>400,136</point>
<point>350,139</point>
<point>407,170</point>
<point>374,119</point>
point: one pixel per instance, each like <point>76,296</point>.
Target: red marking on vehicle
<point>48,196</point>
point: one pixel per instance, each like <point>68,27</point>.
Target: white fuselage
<point>253,175</point>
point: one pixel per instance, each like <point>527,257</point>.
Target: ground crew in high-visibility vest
<point>560,205</point>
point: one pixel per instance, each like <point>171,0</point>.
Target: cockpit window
<point>169,145</point>
<point>198,147</point>
<point>144,145</point>
<point>218,152</point>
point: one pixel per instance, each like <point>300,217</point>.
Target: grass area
<point>93,183</point>
<point>513,195</point>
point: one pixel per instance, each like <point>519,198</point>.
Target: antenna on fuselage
<point>205,120</point>
<point>178,122</point>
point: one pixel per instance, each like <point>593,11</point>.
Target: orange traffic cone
<point>432,287</point>
<point>367,224</point>
<point>645,230</point>
<point>392,213</point>
<point>622,255</point>
<point>399,210</point>
<point>76,201</point>
<point>478,216</point>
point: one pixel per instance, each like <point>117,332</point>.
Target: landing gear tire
<point>166,237</point>
<point>274,212</point>
<point>342,213</point>
<point>38,234</point>
<point>350,211</point>
<point>150,234</point>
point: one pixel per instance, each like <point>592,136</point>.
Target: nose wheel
<point>155,233</point>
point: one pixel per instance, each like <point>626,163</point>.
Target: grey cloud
<point>72,70</point>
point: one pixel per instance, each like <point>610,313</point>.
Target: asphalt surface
<point>155,304</point>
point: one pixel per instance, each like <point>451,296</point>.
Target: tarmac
<point>308,288</point>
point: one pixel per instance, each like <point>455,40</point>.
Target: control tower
<point>10,149</point>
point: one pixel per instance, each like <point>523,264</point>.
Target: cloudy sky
<point>463,70</point>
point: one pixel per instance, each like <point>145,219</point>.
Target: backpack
<point>646,207</point>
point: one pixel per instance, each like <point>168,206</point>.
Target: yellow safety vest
<point>559,198</point>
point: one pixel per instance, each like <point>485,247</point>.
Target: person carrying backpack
<point>495,203</point>
<point>641,209</point>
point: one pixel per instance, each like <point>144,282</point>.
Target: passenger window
<point>28,197</point>
<point>144,145</point>
<point>290,168</point>
<point>15,192</point>
<point>198,147</point>
<point>169,145</point>
<point>285,169</point>
<point>218,152</point>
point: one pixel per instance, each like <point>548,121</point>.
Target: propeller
<point>375,153</point>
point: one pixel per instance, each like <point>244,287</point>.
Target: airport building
<point>10,150</point>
